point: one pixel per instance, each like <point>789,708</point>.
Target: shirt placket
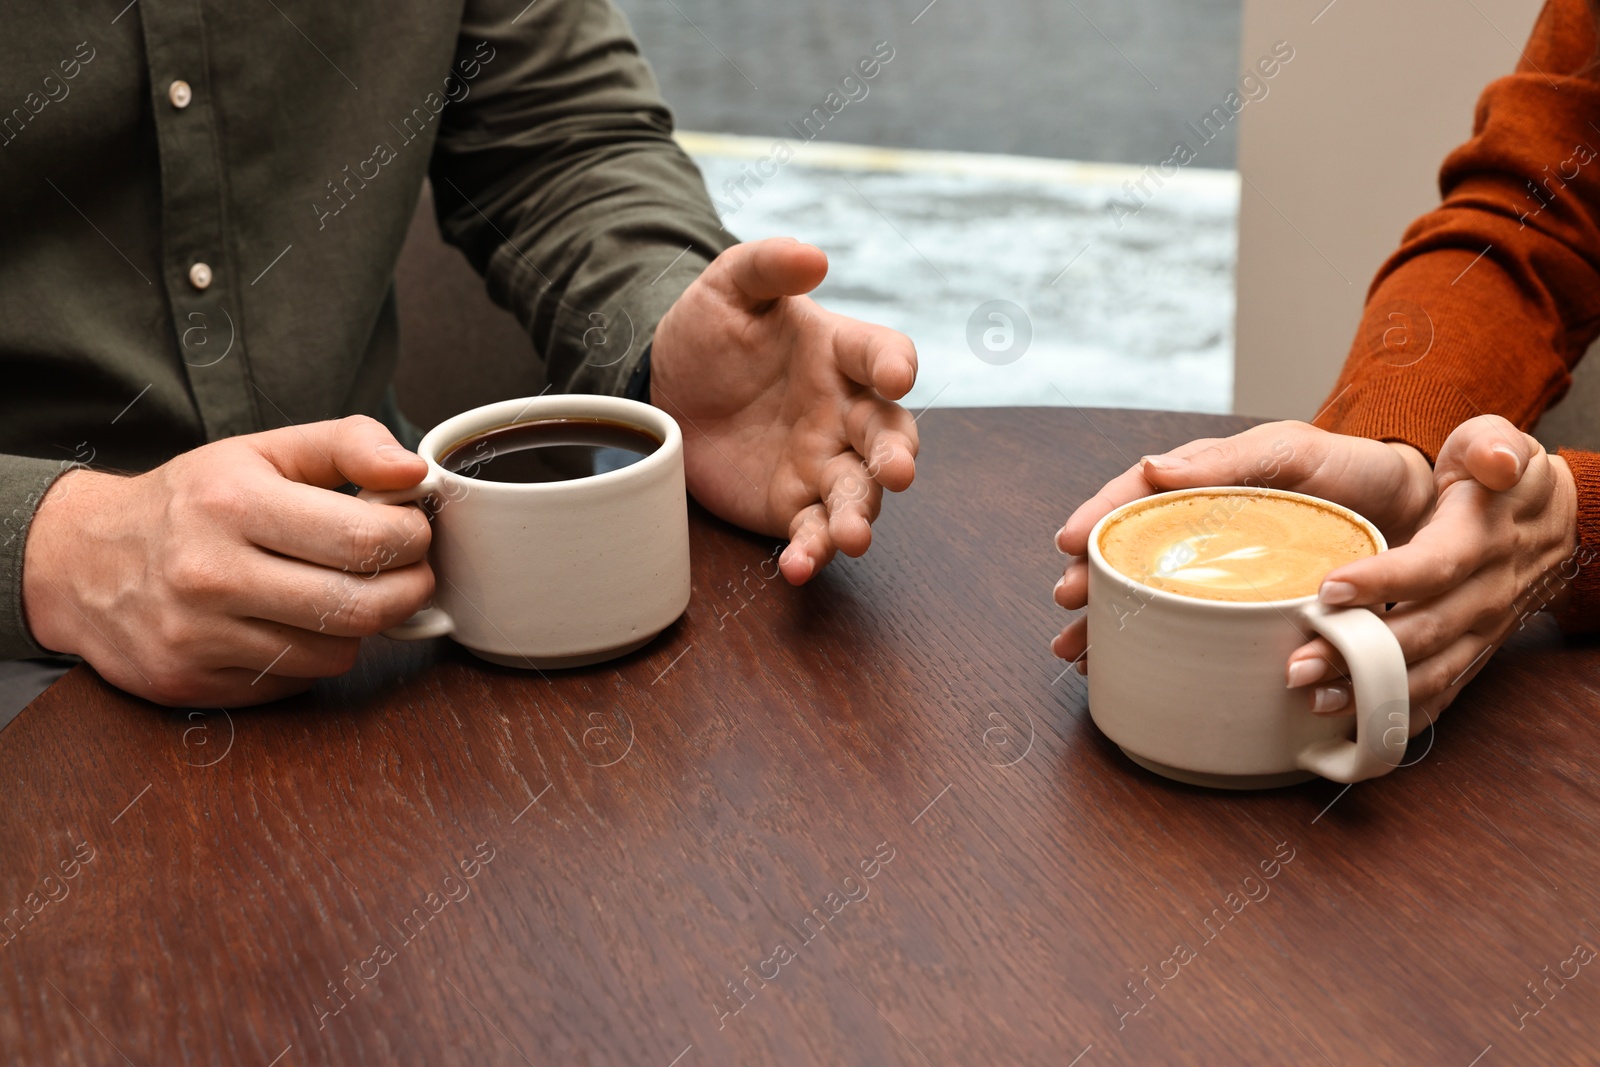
<point>197,269</point>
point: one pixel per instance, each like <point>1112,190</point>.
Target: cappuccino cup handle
<point>1381,696</point>
<point>430,621</point>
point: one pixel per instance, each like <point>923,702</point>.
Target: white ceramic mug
<point>553,574</point>
<point>1195,689</point>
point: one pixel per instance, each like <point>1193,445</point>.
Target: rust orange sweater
<point>1494,296</point>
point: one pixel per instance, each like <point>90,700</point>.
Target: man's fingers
<point>336,530</point>
<point>877,357</point>
<point>853,500</point>
<point>810,545</point>
<point>327,601</point>
<point>758,272</point>
<point>886,434</point>
<point>231,687</point>
<point>286,651</point>
<point>328,454</point>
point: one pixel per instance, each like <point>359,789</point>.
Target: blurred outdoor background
<point>983,163</point>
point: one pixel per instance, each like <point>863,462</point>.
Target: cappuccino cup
<point>560,529</point>
<point>1196,599</point>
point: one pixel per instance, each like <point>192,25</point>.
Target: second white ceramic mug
<point>1194,689</point>
<point>553,574</point>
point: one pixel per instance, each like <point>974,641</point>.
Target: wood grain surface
<point>862,822</point>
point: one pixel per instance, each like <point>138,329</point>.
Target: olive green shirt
<point>204,202</point>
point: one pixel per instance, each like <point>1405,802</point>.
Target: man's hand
<point>231,574</point>
<point>1390,484</point>
<point>1506,518</point>
<point>788,421</point>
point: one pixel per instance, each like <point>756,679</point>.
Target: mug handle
<point>1381,695</point>
<point>431,621</point>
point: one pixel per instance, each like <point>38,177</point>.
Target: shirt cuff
<point>23,482</point>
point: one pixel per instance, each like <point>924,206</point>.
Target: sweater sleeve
<point>1494,295</point>
<point>1582,573</point>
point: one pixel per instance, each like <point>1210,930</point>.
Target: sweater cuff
<point>1398,406</point>
<point>1581,573</point>
<point>23,483</point>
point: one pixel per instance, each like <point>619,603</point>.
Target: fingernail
<point>1337,592</point>
<point>1328,698</point>
<point>1060,583</point>
<point>1059,549</point>
<point>1306,671</point>
<point>1159,463</point>
<point>1500,448</point>
<point>394,452</point>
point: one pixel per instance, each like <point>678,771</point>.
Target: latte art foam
<point>1233,546</point>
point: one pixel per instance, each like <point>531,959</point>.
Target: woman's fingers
<point>1072,591</point>
<point>1073,537</point>
<point>1435,681</point>
<point>1432,679</point>
<point>1487,448</point>
<point>1423,629</point>
<point>1274,454</point>
<point>1316,661</point>
<point>1130,485</point>
<point>1456,543</point>
<point>1258,456</point>
<point>1072,642</point>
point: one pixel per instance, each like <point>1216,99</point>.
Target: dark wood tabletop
<point>863,822</point>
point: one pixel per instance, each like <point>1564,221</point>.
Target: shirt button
<point>180,94</point>
<point>200,276</point>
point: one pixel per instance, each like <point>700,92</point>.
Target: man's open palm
<point>788,414</point>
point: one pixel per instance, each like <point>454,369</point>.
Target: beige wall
<point>1341,154</point>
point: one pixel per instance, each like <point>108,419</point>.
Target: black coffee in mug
<point>549,450</point>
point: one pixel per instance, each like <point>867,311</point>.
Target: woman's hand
<point>1390,484</point>
<point>1505,520</point>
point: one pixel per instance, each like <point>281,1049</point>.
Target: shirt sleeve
<point>23,482</point>
<point>1494,296</point>
<point>556,173</point>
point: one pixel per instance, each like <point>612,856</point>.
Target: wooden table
<point>863,822</point>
